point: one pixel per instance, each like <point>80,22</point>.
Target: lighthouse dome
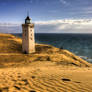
<point>27,20</point>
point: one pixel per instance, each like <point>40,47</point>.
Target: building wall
<point>28,40</point>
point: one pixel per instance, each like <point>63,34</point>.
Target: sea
<point>79,44</point>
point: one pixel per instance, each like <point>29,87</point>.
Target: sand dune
<point>46,77</point>
<point>49,69</point>
<point>11,52</point>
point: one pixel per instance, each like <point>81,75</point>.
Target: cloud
<point>8,25</point>
<point>64,26</point>
<point>30,1</point>
<point>10,28</point>
<point>52,26</point>
<point>64,2</point>
<point>87,10</point>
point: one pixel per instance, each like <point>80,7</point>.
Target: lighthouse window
<point>31,38</point>
<point>25,33</point>
<point>31,34</point>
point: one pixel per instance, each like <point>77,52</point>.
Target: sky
<point>49,16</point>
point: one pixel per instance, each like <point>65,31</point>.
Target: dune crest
<point>11,50</point>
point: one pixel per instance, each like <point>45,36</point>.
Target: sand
<point>49,69</point>
<point>46,77</point>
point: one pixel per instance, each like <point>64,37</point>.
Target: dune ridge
<point>11,50</point>
<point>49,69</point>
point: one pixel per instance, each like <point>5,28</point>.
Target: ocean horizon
<point>80,44</point>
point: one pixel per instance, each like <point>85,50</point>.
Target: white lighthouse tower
<point>28,40</point>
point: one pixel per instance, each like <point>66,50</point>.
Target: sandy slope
<point>46,77</point>
<point>11,52</point>
<point>49,69</point>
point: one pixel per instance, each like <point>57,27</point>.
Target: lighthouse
<point>28,39</point>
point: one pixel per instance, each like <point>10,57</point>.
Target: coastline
<point>79,44</point>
